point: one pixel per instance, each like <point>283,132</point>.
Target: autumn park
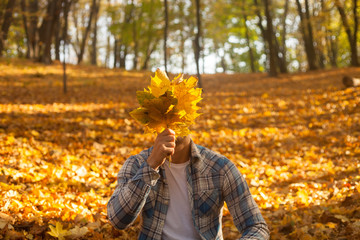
<point>280,98</point>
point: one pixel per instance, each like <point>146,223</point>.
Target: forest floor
<point>295,138</point>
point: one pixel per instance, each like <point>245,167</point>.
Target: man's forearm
<point>258,231</point>
<point>124,206</point>
<point>130,196</point>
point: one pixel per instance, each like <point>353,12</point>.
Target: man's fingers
<point>168,150</point>
<point>170,144</point>
<point>162,137</point>
<point>167,131</point>
<point>169,138</point>
<point>171,132</point>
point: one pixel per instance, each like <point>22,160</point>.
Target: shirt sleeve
<point>133,187</point>
<point>242,206</point>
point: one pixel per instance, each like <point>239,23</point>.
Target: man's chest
<point>204,193</point>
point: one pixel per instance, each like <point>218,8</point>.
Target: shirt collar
<point>197,160</point>
<point>195,157</point>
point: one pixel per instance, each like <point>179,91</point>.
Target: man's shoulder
<point>212,158</point>
<point>141,156</point>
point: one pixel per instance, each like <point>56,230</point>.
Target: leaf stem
<point>167,126</point>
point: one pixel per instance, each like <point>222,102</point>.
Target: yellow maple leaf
<point>58,231</point>
<point>159,84</point>
<point>168,104</point>
<point>141,115</point>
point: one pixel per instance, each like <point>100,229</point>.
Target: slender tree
<point>66,9</point>
<point>116,52</point>
<point>270,39</point>
<point>247,36</point>
<point>57,33</point>
<point>137,21</point>
<point>151,38</point>
<point>306,29</point>
<point>86,32</point>
<point>262,30</point>
<point>125,39</point>
<point>283,33</point>
<point>94,37</point>
<point>197,41</point>
<point>351,35</point>
<point>331,41</point>
<point>46,30</point>
<point>165,32</point>
<point>184,27</point>
<point>8,16</point>
<point>280,48</point>
<point>25,21</point>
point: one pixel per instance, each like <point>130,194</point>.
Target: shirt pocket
<point>208,202</point>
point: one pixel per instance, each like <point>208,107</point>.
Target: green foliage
<point>138,27</point>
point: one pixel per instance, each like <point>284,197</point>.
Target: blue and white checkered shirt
<point>211,179</point>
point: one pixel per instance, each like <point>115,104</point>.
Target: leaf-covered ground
<point>295,138</point>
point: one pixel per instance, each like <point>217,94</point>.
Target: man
<point>183,199</point>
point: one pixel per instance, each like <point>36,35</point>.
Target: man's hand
<point>163,147</point>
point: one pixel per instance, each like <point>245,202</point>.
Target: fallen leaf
<point>58,231</point>
<point>77,232</point>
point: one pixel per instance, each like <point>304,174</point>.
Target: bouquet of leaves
<point>168,104</point>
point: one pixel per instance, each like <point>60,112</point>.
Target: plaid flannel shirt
<point>211,180</point>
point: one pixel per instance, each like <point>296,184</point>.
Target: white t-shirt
<point>179,224</point>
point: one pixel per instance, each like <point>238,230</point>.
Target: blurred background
<point>275,36</point>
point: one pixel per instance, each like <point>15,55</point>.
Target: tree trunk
<point>57,39</point>
<point>248,42</point>
<point>330,40</point>
<point>203,53</point>
<point>182,51</point>
<point>181,15</point>
<point>279,56</point>
<point>197,42</point>
<point>33,36</point>
<point>86,33</point>
<point>165,33</point>
<point>320,27</point>
<point>25,22</point>
<point>2,6</point>
<point>123,46</point>
<point>352,37</point>
<point>276,55</point>
<point>108,46</point>
<point>6,23</point>
<point>223,63</point>
<point>107,56</point>
<point>307,36</point>
<point>94,40</point>
<point>150,47</point>
<point>251,54</point>
<point>310,32</point>
<point>135,37</point>
<point>333,51</point>
<point>66,9</point>
<point>47,31</point>
<point>116,53</point>
<point>262,30</point>
<point>282,47</point>
<point>147,57</point>
<point>270,39</point>
<point>354,49</point>
<point>123,54</point>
